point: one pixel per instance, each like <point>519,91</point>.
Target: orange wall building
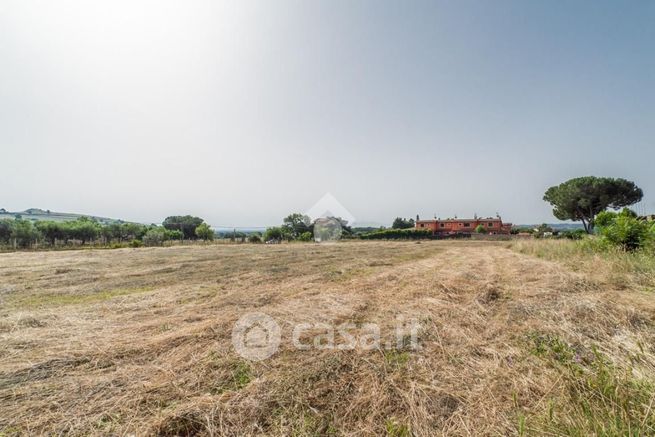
<point>464,226</point>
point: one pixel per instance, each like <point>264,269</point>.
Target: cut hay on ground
<point>138,341</point>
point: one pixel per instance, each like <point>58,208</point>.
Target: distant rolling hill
<point>36,214</point>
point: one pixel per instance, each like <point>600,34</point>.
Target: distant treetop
<point>187,224</point>
<point>581,199</point>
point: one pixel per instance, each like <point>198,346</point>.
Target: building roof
<point>479,219</point>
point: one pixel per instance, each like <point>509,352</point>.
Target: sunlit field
<point>515,338</point>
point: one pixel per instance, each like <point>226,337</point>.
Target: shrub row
<point>408,234</point>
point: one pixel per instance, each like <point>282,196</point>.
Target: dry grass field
<point>515,340</point>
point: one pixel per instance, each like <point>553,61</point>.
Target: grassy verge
<point>610,265</point>
<point>595,396</point>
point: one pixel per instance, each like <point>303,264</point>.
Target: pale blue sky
<point>243,111</point>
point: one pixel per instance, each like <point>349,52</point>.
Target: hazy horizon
<point>243,112</point>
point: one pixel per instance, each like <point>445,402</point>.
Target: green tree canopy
<point>296,224</point>
<point>186,223</point>
<point>84,229</point>
<point>51,231</point>
<point>274,233</point>
<point>401,223</point>
<point>5,230</point>
<point>204,232</point>
<point>155,236</point>
<point>24,233</point>
<point>581,199</point>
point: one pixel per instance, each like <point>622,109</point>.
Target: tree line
<point>587,199</point>
<point>591,199</point>
<point>300,227</point>
<point>20,233</point>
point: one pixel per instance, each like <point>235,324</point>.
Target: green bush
<point>204,232</point>
<point>627,212</point>
<point>136,243</point>
<point>255,238</point>
<point>626,232</point>
<point>273,234</point>
<point>605,218</point>
<point>593,244</point>
<point>398,234</point>
<point>573,234</point>
<point>651,236</point>
<point>173,234</point>
<point>306,236</point>
<point>154,237</point>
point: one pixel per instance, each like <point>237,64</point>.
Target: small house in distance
<point>491,225</point>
